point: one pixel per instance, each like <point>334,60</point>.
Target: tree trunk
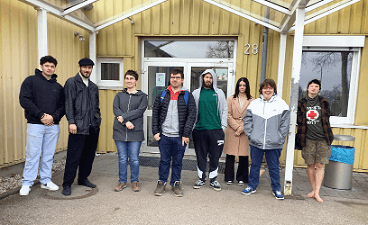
<point>344,83</point>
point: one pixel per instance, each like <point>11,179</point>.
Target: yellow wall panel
<point>185,17</point>
<point>344,19</point>
<point>356,18</point>
<point>175,16</point>
<point>19,59</point>
<point>165,8</point>
<point>204,17</point>
<point>215,19</point>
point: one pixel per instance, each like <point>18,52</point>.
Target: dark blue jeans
<point>272,158</point>
<point>170,147</point>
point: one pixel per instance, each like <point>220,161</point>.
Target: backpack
<point>186,96</point>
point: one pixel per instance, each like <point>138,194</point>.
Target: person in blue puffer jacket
<point>266,124</point>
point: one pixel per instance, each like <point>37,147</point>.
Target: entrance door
<point>156,78</point>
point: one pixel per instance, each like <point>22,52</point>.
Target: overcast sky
<point>331,75</point>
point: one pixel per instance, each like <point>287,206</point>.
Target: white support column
<point>297,59</point>
<point>42,32</point>
<point>280,74</point>
<point>93,55</point>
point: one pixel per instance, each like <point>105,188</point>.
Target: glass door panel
<point>222,77</point>
<point>158,80</point>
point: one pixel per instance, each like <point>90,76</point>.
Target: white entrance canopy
<point>282,16</point>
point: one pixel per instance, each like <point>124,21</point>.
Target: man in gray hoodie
<point>208,134</point>
<point>173,118</point>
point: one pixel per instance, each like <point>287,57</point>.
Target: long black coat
<point>82,104</point>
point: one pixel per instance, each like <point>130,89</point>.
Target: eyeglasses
<point>175,78</point>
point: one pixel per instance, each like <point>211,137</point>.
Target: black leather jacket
<point>82,104</point>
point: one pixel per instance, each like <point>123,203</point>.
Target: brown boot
<point>160,188</point>
<point>120,187</point>
<point>176,189</point>
<point>135,187</point>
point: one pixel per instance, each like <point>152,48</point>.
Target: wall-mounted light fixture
<point>80,37</point>
<point>131,21</point>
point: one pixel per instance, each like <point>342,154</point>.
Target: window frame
<point>110,84</point>
<point>341,43</point>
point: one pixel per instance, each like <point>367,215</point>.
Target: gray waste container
<point>339,171</point>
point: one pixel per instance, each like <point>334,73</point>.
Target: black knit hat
<point>86,62</point>
<point>316,81</point>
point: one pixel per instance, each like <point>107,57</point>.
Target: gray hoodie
<point>170,127</point>
<point>221,98</point>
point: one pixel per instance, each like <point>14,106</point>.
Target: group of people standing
<point>239,126</point>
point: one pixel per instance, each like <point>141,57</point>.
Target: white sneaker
<point>25,190</point>
<point>50,186</point>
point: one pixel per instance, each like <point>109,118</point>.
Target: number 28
<point>254,49</point>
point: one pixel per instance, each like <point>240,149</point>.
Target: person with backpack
<point>173,118</point>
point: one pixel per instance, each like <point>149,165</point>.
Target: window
<point>189,49</point>
<point>336,65</point>
<point>110,73</point>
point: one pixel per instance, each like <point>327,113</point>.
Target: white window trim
<point>110,84</point>
<point>341,43</point>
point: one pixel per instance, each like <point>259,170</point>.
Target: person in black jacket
<point>43,101</point>
<point>173,118</point>
<point>84,117</point>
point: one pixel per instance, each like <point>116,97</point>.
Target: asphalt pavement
<point>198,206</point>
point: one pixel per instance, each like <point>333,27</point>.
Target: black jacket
<point>131,107</point>
<point>82,104</point>
<point>39,95</point>
<point>187,114</point>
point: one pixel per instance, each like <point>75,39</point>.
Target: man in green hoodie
<point>208,134</point>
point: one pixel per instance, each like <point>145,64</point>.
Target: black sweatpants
<point>81,152</point>
<point>211,143</point>
<point>241,173</point>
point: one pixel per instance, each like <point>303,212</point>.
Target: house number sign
<point>254,49</point>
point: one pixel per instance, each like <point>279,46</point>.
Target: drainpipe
<point>265,46</point>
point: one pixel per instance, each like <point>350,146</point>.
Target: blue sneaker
<point>278,195</point>
<point>248,190</point>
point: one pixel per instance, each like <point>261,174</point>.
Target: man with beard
<point>208,134</point>
<point>83,114</point>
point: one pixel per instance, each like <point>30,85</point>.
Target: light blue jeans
<point>41,142</point>
<point>129,149</point>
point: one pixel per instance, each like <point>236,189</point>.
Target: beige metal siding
<point>192,18</point>
<point>18,59</point>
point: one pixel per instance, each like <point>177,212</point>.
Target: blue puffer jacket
<point>267,123</point>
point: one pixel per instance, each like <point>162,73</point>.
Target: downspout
<point>265,46</point>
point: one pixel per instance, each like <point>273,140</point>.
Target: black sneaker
<point>215,185</point>
<point>86,183</point>
<point>67,190</point>
<point>200,183</point>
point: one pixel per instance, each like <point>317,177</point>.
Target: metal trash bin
<point>339,171</point>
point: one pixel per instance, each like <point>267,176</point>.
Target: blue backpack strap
<point>186,97</point>
<point>163,94</point>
